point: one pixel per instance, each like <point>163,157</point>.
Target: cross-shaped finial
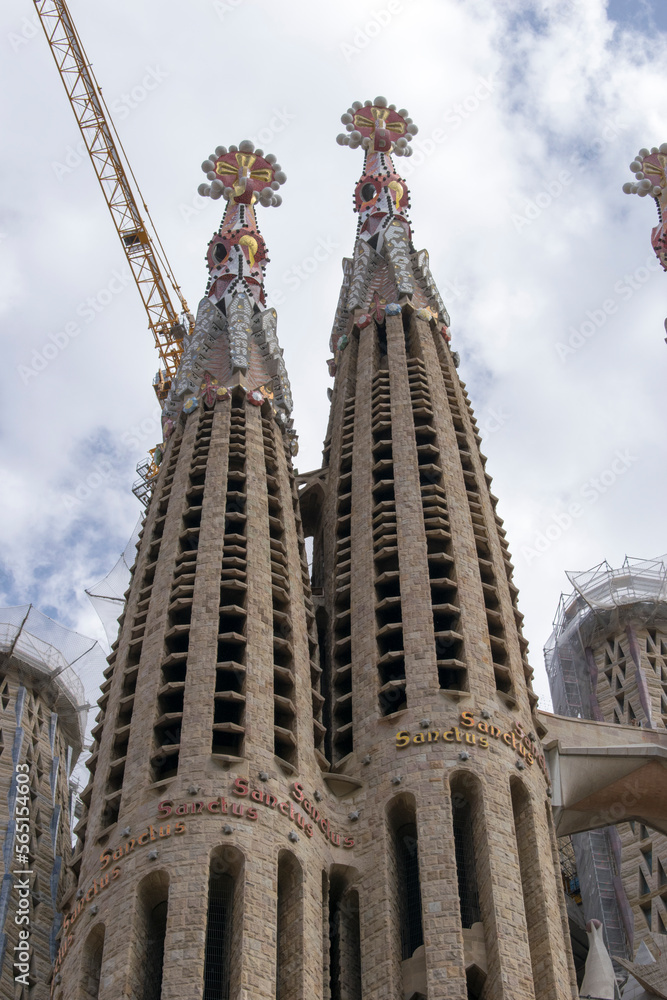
<point>375,125</point>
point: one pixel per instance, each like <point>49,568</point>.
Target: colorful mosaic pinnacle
<point>237,254</point>
<point>378,126</point>
<point>649,168</point>
<point>234,342</point>
<point>385,273</point>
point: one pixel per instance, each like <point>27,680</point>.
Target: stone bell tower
<point>429,707</point>
<point>188,854</point>
<point>332,794</point>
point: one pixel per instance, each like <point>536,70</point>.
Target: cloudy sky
<point>529,113</point>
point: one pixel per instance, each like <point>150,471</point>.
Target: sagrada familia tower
<point>329,784</point>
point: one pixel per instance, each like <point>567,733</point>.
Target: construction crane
<point>143,253</point>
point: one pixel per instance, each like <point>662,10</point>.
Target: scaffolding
<point>58,662</point>
<point>596,605</point>
<point>592,638</point>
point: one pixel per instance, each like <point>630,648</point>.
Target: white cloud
<point>573,93</point>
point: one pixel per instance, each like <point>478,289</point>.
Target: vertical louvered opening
<point>228,731</point>
<point>342,723</point>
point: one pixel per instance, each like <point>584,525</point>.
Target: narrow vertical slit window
<point>150,931</point>
<point>217,967</point>
<point>344,941</point>
<point>466,868</point>
<point>403,827</point>
<point>91,966</point>
<point>290,928</point>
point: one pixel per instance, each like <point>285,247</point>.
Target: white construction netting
<point>108,596</point>
<point>55,657</point>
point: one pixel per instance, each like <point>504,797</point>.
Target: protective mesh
<point>108,596</point>
<point>604,601</point>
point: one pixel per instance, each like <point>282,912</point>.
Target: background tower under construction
<point>42,722</point>
<point>607,661</point>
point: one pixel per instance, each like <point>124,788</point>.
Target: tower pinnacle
<point>649,168</point>
<point>234,340</point>
<point>386,273</point>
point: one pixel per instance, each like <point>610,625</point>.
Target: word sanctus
<point>217,807</point>
<point>242,789</point>
<point>266,798</point>
<point>300,796</point>
<point>107,856</point>
<point>99,884</point>
<point>485,733</point>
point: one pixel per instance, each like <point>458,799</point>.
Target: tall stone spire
<point>336,795</point>
<point>385,266</point>
<point>234,340</point>
<point>211,710</point>
<point>431,727</point>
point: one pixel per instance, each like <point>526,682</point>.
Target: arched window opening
<point>466,869</point>
<point>290,928</point>
<point>223,924</point>
<point>218,937</point>
<point>412,935</point>
<point>534,903</point>
<point>156,929</point>
<point>149,933</point>
<point>91,966</point>
<point>344,939</point>
<point>403,824</point>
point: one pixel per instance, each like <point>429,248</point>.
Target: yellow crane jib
<point>144,254</point>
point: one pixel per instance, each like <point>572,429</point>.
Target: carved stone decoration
<point>239,318</point>
<point>265,334</point>
<point>209,326</point>
<point>385,264</point>
<point>650,170</point>
<point>398,255</point>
